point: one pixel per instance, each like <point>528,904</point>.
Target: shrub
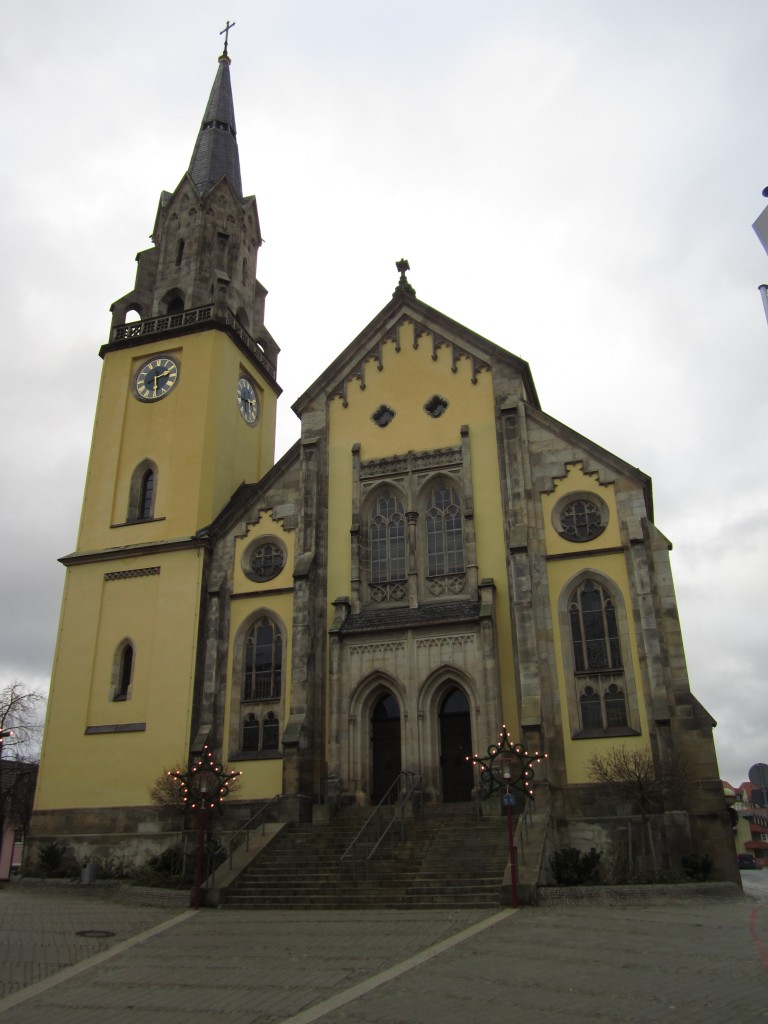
<point>50,858</point>
<point>572,867</point>
<point>169,862</point>
<point>698,867</point>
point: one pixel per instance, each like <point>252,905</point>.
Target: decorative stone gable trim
<point>440,458</point>
<point>376,353</point>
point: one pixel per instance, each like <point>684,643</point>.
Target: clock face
<point>247,400</point>
<point>156,378</point>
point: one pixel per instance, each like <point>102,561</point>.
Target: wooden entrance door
<point>385,746</point>
<point>455,746</point>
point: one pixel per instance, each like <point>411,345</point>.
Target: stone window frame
<point>569,499</point>
<point>576,682</point>
<point>239,706</point>
<point>251,549</point>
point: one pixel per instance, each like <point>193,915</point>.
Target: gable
<point>407,320</point>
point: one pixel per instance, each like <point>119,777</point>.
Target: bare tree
<point>650,784</point>
<point>21,722</point>
<point>21,714</point>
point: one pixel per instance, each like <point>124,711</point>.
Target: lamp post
<point>4,735</point>
<point>203,786</point>
<point>507,769</point>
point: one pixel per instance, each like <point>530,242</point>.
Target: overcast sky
<point>574,180</point>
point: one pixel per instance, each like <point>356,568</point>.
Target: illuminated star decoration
<point>205,783</point>
<point>507,766</point>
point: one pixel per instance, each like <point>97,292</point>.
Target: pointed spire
<point>215,155</point>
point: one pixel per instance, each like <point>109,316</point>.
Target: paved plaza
<point>702,962</point>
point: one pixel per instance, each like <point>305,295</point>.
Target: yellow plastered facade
<point>203,450</point>
<point>604,559</point>
<point>197,425</point>
<point>261,778</point>
<point>409,378</point>
<point>98,614</point>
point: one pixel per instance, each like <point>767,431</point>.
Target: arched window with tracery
<point>593,628</point>
<point>597,659</point>
<point>263,662</point>
<point>445,540</point>
<point>386,535</point>
<point>251,733</point>
<point>271,731</point>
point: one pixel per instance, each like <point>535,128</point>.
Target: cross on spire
<point>225,32</point>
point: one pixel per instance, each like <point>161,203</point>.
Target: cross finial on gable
<point>403,284</point>
<point>225,32</point>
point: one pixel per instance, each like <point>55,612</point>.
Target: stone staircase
<point>448,858</point>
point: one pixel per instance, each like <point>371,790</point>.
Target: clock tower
<point>185,415</point>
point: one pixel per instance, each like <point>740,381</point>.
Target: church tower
<point>185,415</point>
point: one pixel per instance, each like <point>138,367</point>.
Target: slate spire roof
<point>215,155</point>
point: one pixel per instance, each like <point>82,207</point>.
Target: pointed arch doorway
<point>455,747</point>
<point>385,745</point>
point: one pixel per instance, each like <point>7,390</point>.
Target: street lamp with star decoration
<point>203,786</point>
<point>507,768</point>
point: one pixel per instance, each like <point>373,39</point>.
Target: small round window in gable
<point>264,561</point>
<point>581,520</point>
<point>436,406</point>
<point>383,416</point>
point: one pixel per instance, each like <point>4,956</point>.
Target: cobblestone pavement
<point>697,962</point>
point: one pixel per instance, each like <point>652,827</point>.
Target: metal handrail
<point>405,799</point>
<point>375,819</point>
<point>243,834</point>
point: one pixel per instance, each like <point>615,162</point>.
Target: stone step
<point>447,858</point>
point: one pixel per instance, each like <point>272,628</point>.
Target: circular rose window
<point>581,520</point>
<point>264,561</point>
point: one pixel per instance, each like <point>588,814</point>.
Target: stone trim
<point>129,574</point>
<point>611,895</point>
<point>98,730</point>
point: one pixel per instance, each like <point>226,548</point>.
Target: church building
<point>435,557</point>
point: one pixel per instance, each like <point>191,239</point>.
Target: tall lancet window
<point>445,542</point>
<point>387,540</point>
<point>263,670</point>
<point>597,660</point>
<point>147,495</point>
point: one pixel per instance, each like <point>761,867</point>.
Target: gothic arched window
<point>251,733</point>
<point>615,706</point>
<point>387,540</point>
<point>271,733</point>
<point>597,660</point>
<point>142,492</point>
<point>263,663</point>
<point>123,671</point>
<point>593,629</point>
<point>445,542</point>
<point>147,495</point>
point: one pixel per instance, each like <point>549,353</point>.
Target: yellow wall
<point>560,573</point>
<point>261,779</point>
<point>159,614</point>
<point>203,450</point>
<point>408,380</point>
<point>196,436</point>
